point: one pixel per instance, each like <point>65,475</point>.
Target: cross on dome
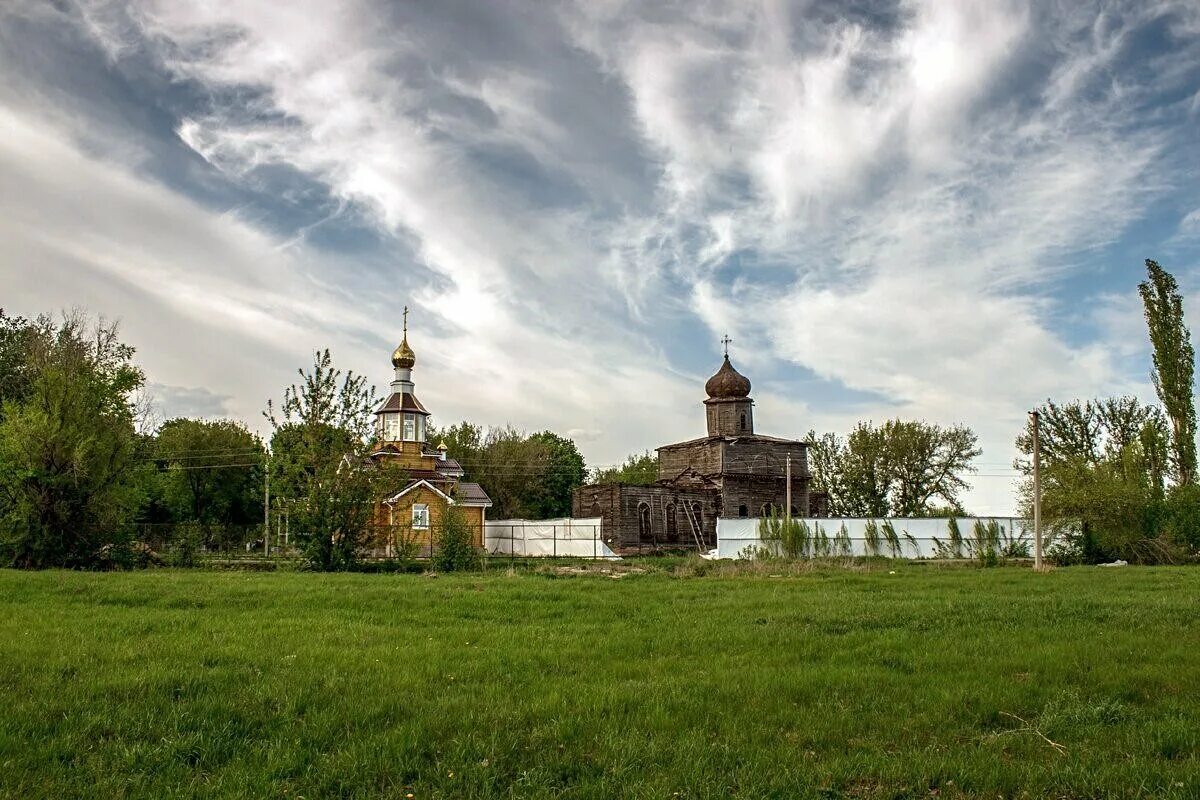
<point>403,356</point>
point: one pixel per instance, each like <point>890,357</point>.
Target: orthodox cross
<point>406,320</point>
<point>725,340</point>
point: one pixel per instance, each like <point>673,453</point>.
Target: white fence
<point>914,538</point>
<point>576,538</point>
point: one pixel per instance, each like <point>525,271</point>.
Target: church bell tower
<point>729,409</point>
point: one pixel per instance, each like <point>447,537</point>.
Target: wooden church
<point>434,479</point>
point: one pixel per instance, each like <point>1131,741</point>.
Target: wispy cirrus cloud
<point>906,208</point>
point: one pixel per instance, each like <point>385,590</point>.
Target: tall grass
<point>793,538</point>
<point>842,546</point>
<point>892,538</point>
<point>822,545</point>
<point>872,543</point>
<point>954,546</point>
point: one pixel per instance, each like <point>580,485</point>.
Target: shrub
<point>1181,517</point>
<point>187,545</point>
<point>986,544</point>
<point>1013,544</point>
<point>794,537</point>
<point>455,549</point>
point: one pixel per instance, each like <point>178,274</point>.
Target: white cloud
<point>890,202</point>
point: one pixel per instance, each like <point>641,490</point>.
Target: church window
<point>410,427</point>
<point>420,428</point>
<point>672,526</point>
<point>644,530</point>
<point>391,427</point>
<point>743,422</point>
<point>420,516</point>
<point>765,510</point>
<point>743,511</point>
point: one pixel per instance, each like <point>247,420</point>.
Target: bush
<point>455,549</point>
<point>794,537</point>
<point>1181,517</point>
<point>187,546</point>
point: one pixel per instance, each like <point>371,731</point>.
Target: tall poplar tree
<point>1174,364</point>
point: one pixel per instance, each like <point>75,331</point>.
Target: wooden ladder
<point>695,526</point>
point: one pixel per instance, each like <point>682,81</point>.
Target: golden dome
<point>403,356</point>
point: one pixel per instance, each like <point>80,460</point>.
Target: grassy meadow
<point>905,681</point>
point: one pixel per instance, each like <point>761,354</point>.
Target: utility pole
<point>1037,493</point>
<point>267,510</point>
<point>787,492</point>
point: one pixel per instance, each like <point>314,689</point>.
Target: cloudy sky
<point>922,209</point>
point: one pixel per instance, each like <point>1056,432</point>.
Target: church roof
<point>727,383</point>
<point>472,494</point>
<point>751,437</point>
<point>402,401</point>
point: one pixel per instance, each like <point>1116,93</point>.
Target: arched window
<point>743,422</point>
<point>765,510</point>
<point>645,533</point>
<point>672,527</point>
<point>743,511</point>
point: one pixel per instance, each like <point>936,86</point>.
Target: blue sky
<point>932,210</point>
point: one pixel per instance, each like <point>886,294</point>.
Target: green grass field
<point>928,682</point>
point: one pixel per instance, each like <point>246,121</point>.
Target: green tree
<point>324,428</point>
<point>1174,364</point>
<point>17,336</point>
<point>526,476</point>
<point>1103,465</point>
<point>211,470</point>
<point>68,446</point>
<point>637,469</point>
<point>900,468</point>
<point>564,471</point>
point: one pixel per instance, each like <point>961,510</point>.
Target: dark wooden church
<point>731,472</point>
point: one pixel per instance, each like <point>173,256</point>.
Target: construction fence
<point>548,538</point>
<point>959,537</point>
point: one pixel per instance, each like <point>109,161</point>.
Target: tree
<point>324,429</point>
<point>563,472</point>
<point>68,448</point>
<point>824,462</point>
<point>526,476</point>
<point>1103,465</point>
<point>211,471</point>
<point>17,336</point>
<point>637,469</point>
<point>901,468</point>
<point>1174,364</point>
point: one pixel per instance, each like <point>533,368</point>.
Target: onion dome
<point>403,356</point>
<point>728,383</point>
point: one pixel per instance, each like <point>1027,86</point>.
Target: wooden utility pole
<point>787,491</point>
<point>267,510</point>
<point>1037,493</point>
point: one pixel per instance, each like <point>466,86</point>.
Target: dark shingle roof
<point>472,494</point>
<point>402,401</point>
